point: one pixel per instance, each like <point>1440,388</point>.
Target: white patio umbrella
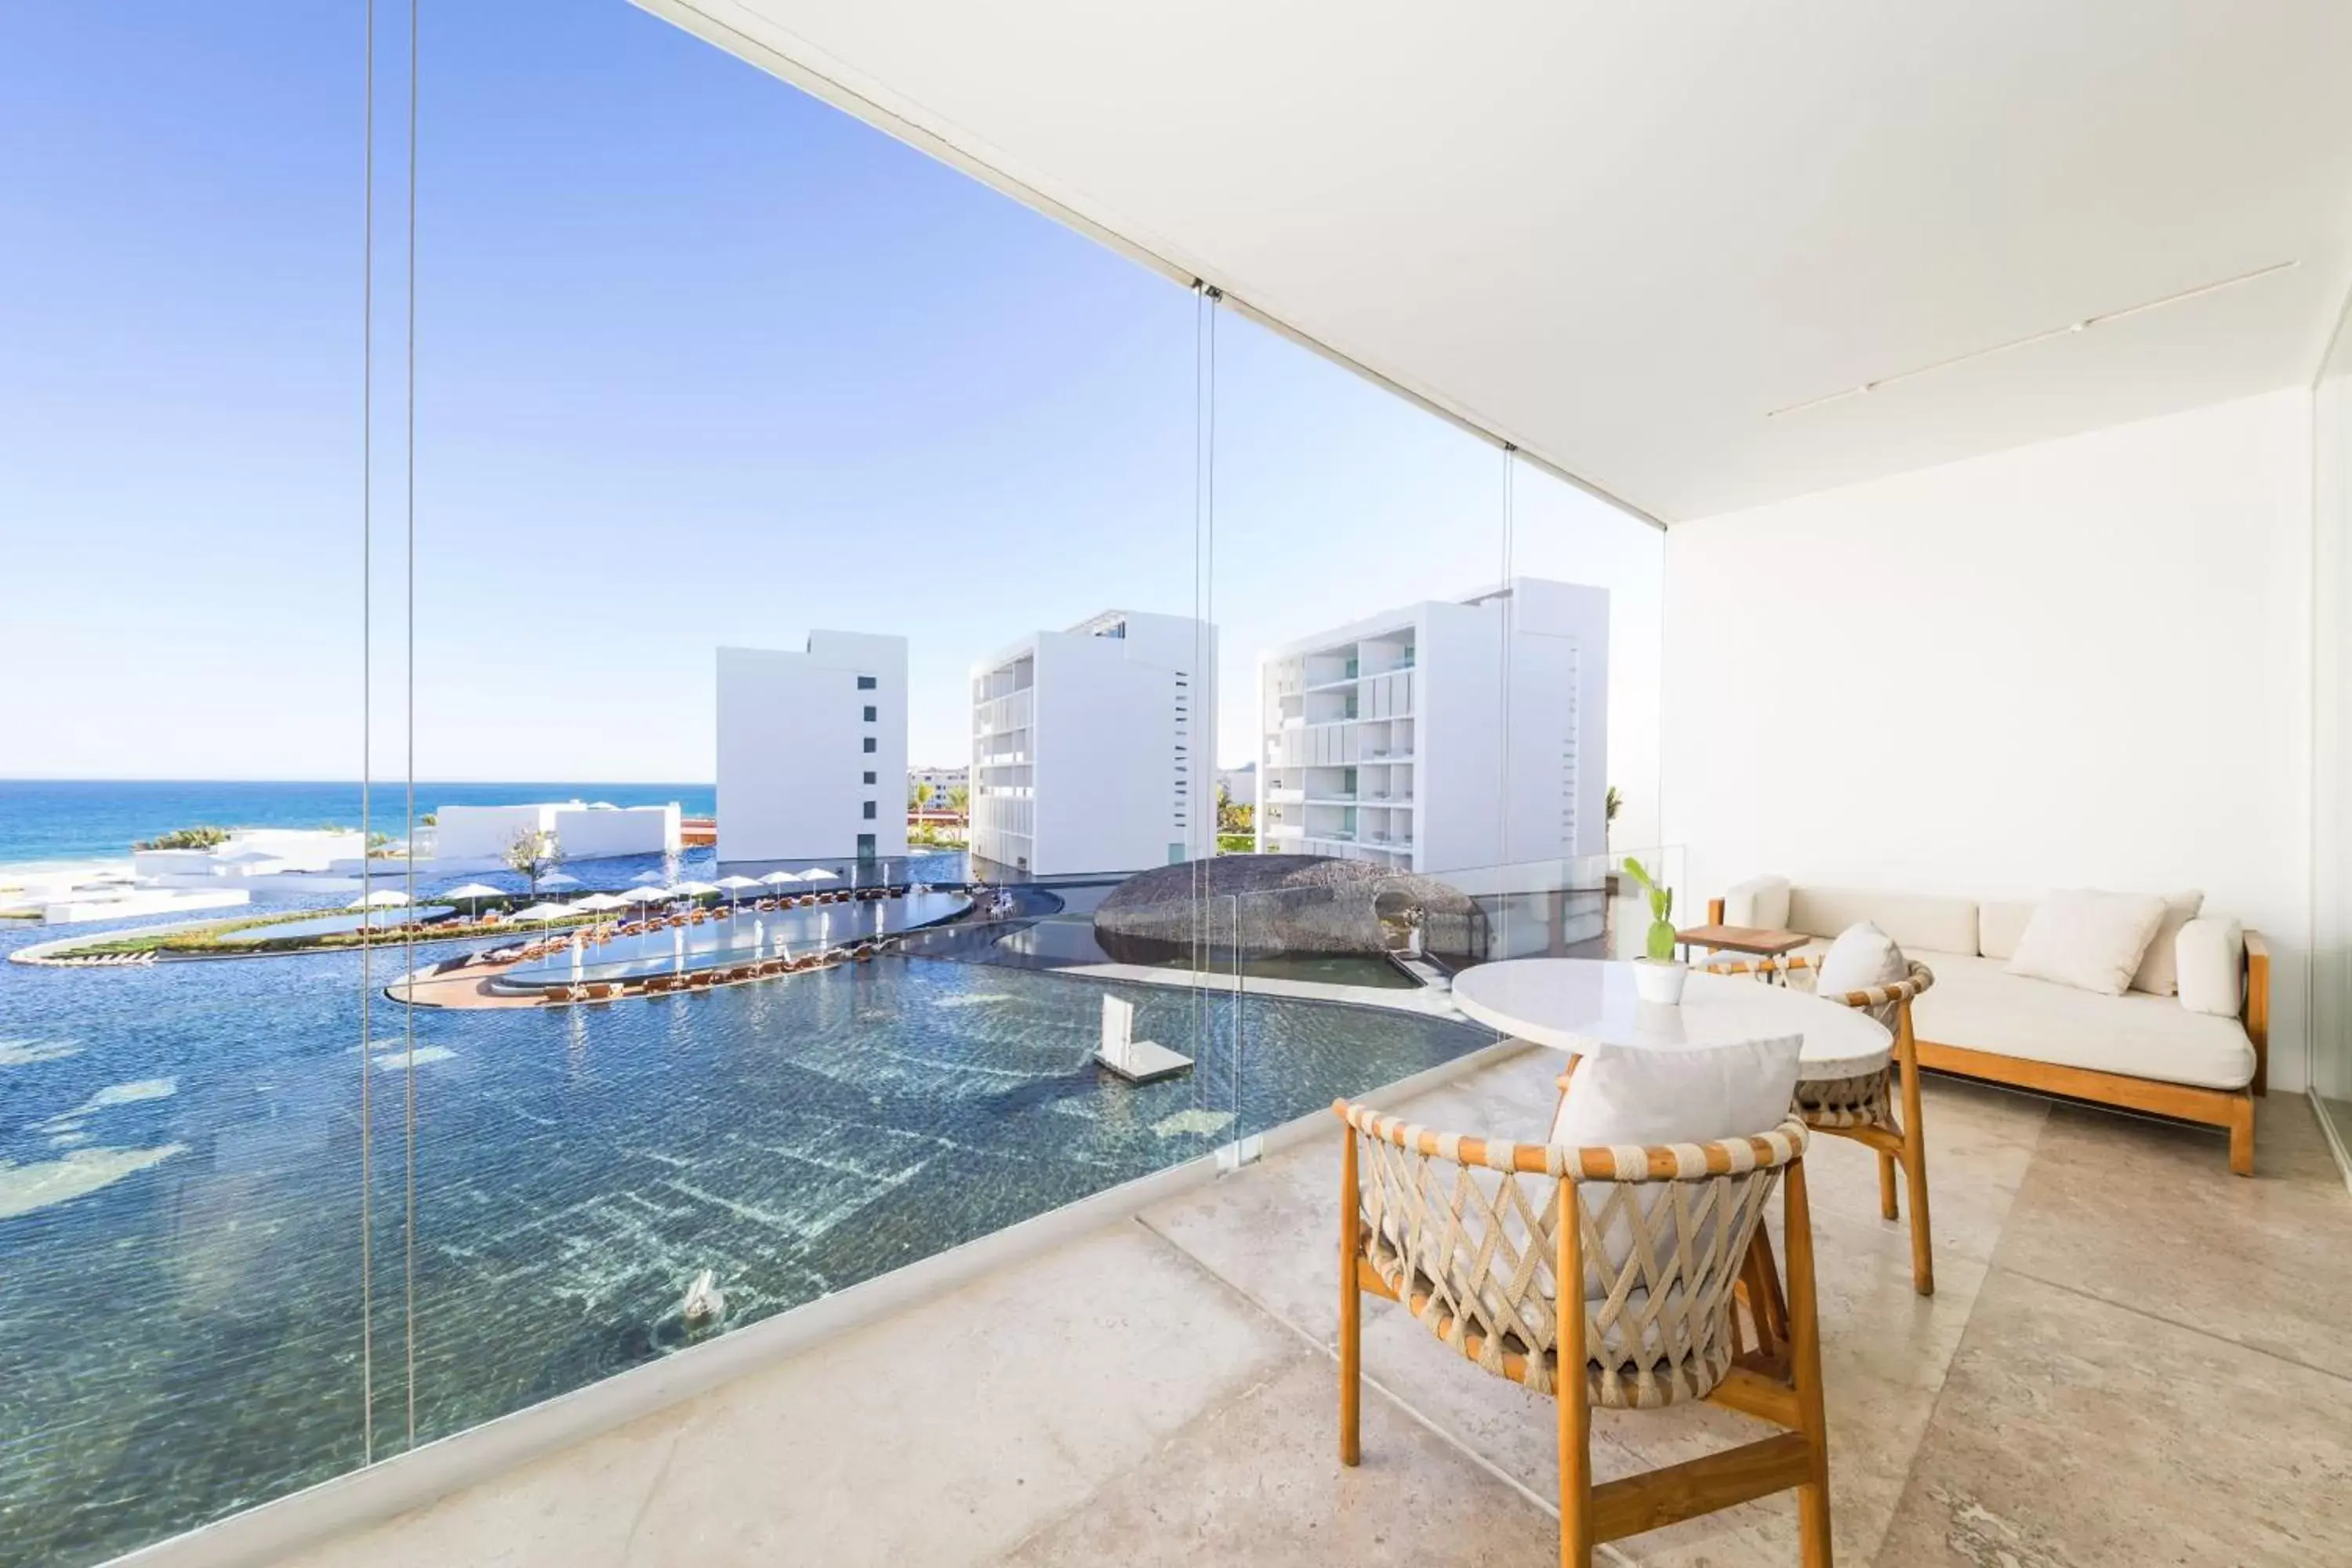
<point>820,875</point>
<point>387,899</point>
<point>600,903</point>
<point>475,892</point>
<point>542,911</point>
<point>650,878</point>
<point>733,886</point>
<point>692,890</point>
<point>559,879</point>
<point>779,879</point>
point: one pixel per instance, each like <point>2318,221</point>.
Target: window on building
<point>869,744</point>
<point>866,683</point>
<point>870,811</point>
<point>866,846</point>
<point>869,775</point>
<point>869,712</point>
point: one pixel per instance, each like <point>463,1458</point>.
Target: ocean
<point>49,820</point>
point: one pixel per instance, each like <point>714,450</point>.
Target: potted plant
<point>1658,977</point>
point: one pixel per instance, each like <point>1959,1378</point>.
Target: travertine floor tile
<point>576,1509</point>
<point>2147,1215</point>
<point>2075,1432</point>
<point>1259,1481</point>
<point>950,1432</point>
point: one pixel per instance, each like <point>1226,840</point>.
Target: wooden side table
<point>1757,941</point>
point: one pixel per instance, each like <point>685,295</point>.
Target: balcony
<point>1160,1386</point>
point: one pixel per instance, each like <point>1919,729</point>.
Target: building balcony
<point>1169,1359</point>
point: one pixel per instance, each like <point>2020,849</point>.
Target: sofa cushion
<point>1999,923</point>
<point>2211,950</point>
<point>1759,902</point>
<point>2158,974</point>
<point>1913,919</point>
<point>2085,938</point>
<point>1976,1004</point>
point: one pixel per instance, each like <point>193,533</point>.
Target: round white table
<point>1574,1004</point>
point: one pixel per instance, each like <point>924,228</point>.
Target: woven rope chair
<point>1466,1235</point>
<point>1864,1109</point>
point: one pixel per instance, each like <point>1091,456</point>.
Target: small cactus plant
<point>1661,939</point>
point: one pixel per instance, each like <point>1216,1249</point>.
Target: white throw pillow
<point>2210,951</point>
<point>2086,939</point>
<point>1760,901</point>
<point>1622,1095</point>
<point>2157,975</point>
<point>1862,956</point>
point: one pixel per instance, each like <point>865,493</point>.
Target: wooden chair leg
<point>1886,1203</point>
<point>1572,1396</point>
<point>1805,1369</point>
<point>2241,1136</point>
<point>1352,1308</point>
<point>1915,1160</point>
<point>1766,1304</point>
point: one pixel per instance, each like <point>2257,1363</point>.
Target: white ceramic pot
<point>1660,982</point>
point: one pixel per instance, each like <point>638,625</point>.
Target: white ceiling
<point>1620,235</point>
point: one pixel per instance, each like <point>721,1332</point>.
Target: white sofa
<point>2139,1051</point>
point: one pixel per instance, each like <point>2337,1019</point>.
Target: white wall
<point>2081,663</point>
<point>790,760</point>
<point>484,832</point>
<point>594,833</point>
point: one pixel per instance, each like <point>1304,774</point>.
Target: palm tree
<point>958,797</point>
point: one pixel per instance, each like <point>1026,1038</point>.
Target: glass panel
<point>774,469</point>
<point>180,295</point>
<point>2331,794</point>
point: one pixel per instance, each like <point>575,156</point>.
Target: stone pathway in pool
<point>1162,1391</point>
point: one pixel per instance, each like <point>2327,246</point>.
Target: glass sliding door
<point>183,298</point>
<point>2331,791</point>
<point>810,636</point>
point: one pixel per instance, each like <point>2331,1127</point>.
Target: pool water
<point>739,938</point>
<point>182,1326</point>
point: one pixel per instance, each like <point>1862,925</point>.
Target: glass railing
<point>1347,975</point>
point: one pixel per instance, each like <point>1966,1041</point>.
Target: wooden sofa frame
<point>2231,1109</point>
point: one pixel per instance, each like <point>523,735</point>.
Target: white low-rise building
<point>253,855</point>
<point>1442,736</point>
<point>1092,748</point>
<point>584,830</point>
<point>813,750</point>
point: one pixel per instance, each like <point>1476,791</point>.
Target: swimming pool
<point>181,1305</point>
<point>746,934</point>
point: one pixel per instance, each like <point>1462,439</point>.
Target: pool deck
<point>467,987</point>
<point>1162,1389</point>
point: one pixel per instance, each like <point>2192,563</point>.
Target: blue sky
<point>700,360</point>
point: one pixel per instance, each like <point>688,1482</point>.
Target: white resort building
<point>1091,748</point>
<point>584,830</point>
<point>813,749</point>
<point>1386,740</point>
